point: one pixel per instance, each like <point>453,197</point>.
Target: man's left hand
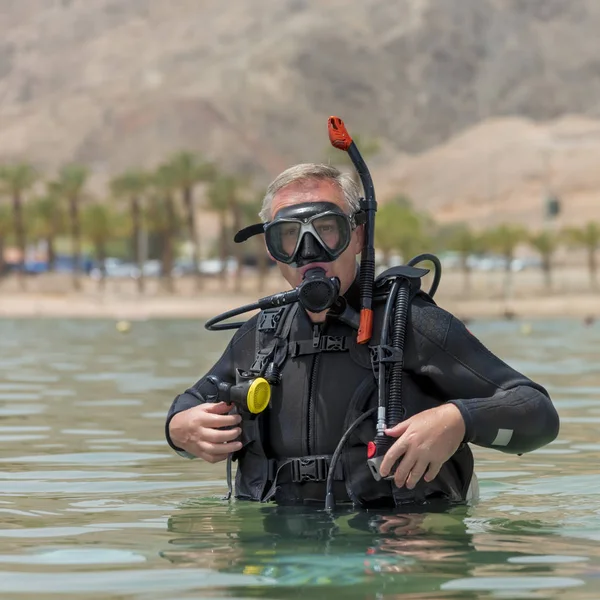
<point>425,442</point>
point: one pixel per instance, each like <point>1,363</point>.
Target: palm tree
<point>546,244</point>
<point>587,237</point>
<point>466,243</point>
<point>504,239</point>
<point>46,219</point>
<point>99,226</point>
<point>225,195</point>
<point>250,211</point>
<point>132,185</point>
<point>70,187</point>
<point>15,180</point>
<point>186,171</point>
<point>237,200</point>
<point>398,227</point>
<point>219,191</point>
<point>6,227</point>
<point>163,218</point>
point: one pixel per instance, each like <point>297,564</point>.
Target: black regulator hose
<point>212,324</point>
<point>437,275</point>
<point>316,293</point>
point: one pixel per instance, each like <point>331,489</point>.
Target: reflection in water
<point>94,505</point>
<point>298,546</point>
<point>352,554</point>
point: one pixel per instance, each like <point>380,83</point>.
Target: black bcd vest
<point>265,475</point>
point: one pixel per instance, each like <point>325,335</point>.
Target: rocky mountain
<point>118,83</point>
<point>505,170</point>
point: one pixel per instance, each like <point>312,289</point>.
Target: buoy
<point>526,329</point>
<point>123,326</point>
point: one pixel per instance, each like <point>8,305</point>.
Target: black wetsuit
<point>322,392</point>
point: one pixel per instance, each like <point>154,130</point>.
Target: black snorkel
<point>340,138</point>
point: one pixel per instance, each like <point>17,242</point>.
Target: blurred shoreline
<point>51,295</point>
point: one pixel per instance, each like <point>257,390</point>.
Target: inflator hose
<point>438,269</point>
<point>395,411</point>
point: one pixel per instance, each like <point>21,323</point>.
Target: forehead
<point>301,192</point>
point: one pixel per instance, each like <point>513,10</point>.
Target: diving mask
<point>305,233</point>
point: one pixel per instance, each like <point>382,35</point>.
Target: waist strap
<point>303,469</point>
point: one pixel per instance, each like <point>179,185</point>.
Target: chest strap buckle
<point>310,468</point>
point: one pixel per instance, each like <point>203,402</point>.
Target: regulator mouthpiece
<point>317,293</point>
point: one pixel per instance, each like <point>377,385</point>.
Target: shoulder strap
<point>273,325</point>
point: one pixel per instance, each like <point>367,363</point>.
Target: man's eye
<point>327,228</point>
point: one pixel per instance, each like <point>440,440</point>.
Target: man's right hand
<point>196,431</point>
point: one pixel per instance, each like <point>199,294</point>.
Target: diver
<point>350,389</point>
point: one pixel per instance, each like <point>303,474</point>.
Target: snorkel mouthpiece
<point>317,292</point>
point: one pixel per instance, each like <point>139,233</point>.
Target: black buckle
<point>269,319</point>
<point>326,343</point>
<point>334,343</point>
<point>311,468</point>
<point>386,354</point>
<point>261,360</point>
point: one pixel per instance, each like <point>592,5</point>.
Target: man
<point>455,390</point>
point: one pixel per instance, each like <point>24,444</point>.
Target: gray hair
<point>308,172</point>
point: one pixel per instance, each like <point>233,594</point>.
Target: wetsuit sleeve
<point>238,354</point>
<point>502,408</point>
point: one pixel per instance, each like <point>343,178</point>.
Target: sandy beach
<point>52,296</point>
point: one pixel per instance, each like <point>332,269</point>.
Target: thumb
<point>217,408</point>
<point>398,429</point>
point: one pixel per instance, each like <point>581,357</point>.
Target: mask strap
<point>243,234</point>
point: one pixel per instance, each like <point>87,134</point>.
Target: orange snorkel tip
<point>338,134</point>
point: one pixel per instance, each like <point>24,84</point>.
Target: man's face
<point>344,267</point>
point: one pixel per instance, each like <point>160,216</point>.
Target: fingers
<point>405,467</point>
<point>219,436</point>
<point>399,429</point>
<point>218,408</point>
<point>432,472</point>
<point>214,421</point>
<point>209,457</point>
<point>416,473</point>
<point>392,455</point>
<point>219,450</point>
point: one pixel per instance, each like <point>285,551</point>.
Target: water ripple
<point>78,509</point>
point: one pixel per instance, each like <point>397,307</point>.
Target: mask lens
<point>281,239</point>
<point>333,231</point>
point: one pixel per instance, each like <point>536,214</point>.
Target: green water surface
<point>93,504</point>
